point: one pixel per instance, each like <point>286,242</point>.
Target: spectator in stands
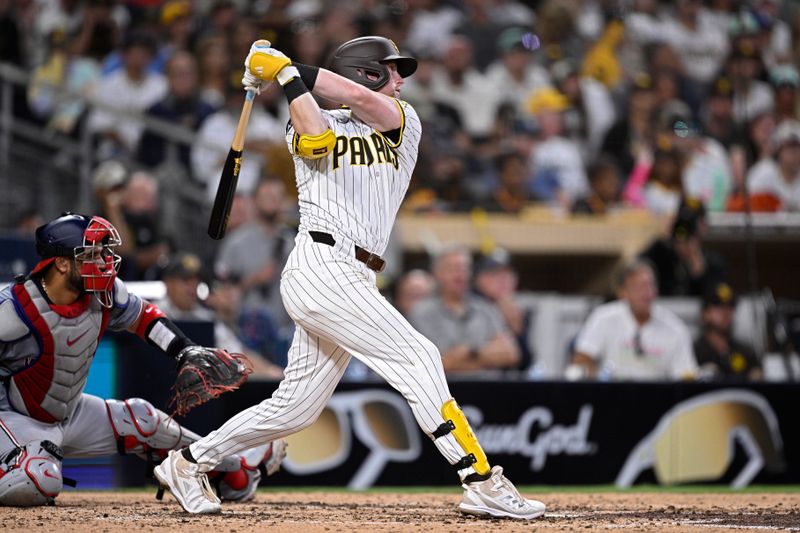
<point>684,267</point>
<point>411,288</point>
<point>457,82</point>
<point>707,173</point>
<point>258,336</point>
<point>468,331</point>
<point>214,140</point>
<point>175,19</point>
<point>719,355</point>
<point>779,177</point>
<point>591,111</point>
<point>699,42</point>
<point>633,132</point>
<point>511,195</point>
<point>133,207</point>
<point>655,183</point>
<point>257,251</point>
<point>513,75</point>
<point>633,338</point>
<point>182,277</point>
<point>717,114</point>
<point>604,192</point>
<point>131,89</point>
<point>213,69</point>
<point>496,280</point>
<point>751,96</point>
<point>786,80</point>
<point>557,165</point>
<point>182,106</point>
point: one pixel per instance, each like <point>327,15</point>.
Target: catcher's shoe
<point>240,485</point>
<point>498,497</point>
<point>189,486</point>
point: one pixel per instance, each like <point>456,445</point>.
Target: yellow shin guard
<point>457,424</point>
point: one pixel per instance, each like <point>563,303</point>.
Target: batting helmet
<point>91,242</point>
<point>363,60</point>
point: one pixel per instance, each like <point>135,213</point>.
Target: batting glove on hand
<point>266,63</point>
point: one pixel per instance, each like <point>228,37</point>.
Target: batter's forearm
<point>376,109</point>
<point>306,115</point>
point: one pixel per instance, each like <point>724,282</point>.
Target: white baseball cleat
<point>189,486</point>
<point>498,497</point>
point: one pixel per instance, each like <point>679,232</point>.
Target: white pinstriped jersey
<point>357,189</point>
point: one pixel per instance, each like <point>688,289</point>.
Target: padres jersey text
<point>357,190</point>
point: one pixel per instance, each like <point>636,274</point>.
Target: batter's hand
<point>267,64</point>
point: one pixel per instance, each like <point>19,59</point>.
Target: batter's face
<point>392,87</point>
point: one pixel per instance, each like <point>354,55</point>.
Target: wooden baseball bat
<point>226,189</point>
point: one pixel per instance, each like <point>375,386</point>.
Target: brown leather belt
<point>373,261</point>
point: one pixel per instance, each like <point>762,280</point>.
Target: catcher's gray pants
<point>338,312</point>
<point>87,433</point>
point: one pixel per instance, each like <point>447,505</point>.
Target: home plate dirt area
<point>318,510</point>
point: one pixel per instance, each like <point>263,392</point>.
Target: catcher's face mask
<point>96,260</point>
<point>380,420</point>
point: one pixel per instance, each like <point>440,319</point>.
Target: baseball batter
<point>353,165</point>
<point>51,322</point>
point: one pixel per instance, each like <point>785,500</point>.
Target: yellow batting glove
<point>266,63</point>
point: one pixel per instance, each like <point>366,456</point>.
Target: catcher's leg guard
<point>457,424</point>
<point>143,430</point>
<point>31,475</point>
<point>239,484</point>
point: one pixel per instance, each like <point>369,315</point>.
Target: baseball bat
<point>226,189</point>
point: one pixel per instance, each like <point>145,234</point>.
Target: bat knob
<point>262,43</point>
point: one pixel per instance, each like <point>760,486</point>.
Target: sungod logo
<point>535,435</point>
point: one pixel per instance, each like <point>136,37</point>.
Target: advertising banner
<point>540,432</point>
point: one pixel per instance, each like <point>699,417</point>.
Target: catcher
<point>51,322</point>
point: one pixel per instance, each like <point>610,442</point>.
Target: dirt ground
<point>343,511</point>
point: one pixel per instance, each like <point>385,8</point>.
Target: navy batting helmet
<point>363,60</point>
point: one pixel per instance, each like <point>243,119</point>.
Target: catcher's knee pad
<point>31,475</point>
<point>457,424</point>
<point>142,429</point>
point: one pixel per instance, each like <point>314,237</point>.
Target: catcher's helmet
<point>91,242</point>
<point>364,58</point>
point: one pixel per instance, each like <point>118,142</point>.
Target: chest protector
<point>50,387</point>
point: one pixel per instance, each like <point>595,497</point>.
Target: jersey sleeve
<point>590,339</point>
<point>126,308</point>
<point>410,128</point>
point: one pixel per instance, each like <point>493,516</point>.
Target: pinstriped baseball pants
<point>339,312</point>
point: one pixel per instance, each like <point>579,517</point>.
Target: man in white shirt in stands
<point>131,89</point>
<point>779,176</point>
<point>633,338</point>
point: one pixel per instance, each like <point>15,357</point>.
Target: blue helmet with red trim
<point>90,241</point>
<point>61,236</point>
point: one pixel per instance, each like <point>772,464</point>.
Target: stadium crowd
<point>679,108</point>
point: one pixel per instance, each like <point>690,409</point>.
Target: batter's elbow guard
<point>314,146</point>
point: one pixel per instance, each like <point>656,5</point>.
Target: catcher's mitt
<point>204,374</point>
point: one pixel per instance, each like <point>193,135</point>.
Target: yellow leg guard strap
<point>458,425</point>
